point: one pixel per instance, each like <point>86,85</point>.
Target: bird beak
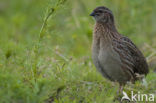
<point>92,14</point>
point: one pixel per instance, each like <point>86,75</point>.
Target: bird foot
<point>117,98</point>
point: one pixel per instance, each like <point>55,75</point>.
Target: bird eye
<point>100,11</point>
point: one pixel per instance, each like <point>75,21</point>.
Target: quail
<point>115,56</point>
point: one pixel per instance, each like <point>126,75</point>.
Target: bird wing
<point>131,57</point>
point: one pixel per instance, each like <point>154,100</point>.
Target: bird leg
<point>119,93</point>
<point>120,90</point>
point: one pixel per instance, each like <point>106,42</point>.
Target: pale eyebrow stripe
<point>101,9</point>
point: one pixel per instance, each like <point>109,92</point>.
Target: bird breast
<point>107,61</point>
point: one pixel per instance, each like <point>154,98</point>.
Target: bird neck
<point>108,26</point>
<point>107,31</point>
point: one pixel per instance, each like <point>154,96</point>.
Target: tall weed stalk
<point>50,12</point>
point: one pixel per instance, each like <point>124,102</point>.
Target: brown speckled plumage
<point>116,57</point>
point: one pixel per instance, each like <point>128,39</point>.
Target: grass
<point>46,55</point>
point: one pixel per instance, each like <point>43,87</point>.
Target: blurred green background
<point>56,67</point>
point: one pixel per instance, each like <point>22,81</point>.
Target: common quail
<point>115,56</point>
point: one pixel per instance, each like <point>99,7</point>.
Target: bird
<point>114,55</point>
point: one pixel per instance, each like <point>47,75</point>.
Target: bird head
<point>102,15</point>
